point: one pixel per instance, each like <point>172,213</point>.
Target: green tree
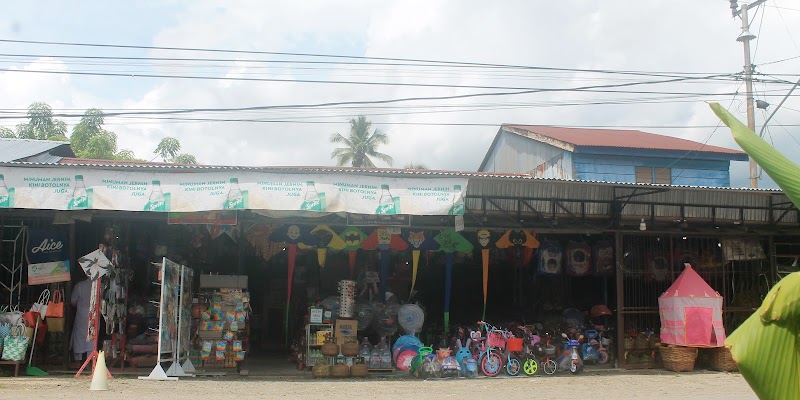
<point>168,148</point>
<point>411,165</point>
<point>41,125</point>
<point>90,126</point>
<point>360,145</point>
<point>185,159</point>
<point>101,147</point>
<point>90,140</point>
<point>7,133</point>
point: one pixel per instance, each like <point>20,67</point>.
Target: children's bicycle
<point>549,365</point>
<point>490,347</point>
<point>532,342</point>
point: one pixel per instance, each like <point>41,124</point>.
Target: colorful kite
<point>485,243</point>
<point>450,242</point>
<point>352,237</point>
<point>324,238</point>
<point>292,235</point>
<point>383,240</point>
<point>522,241</point>
<point>418,240</point>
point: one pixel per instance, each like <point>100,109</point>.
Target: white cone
<point>100,376</point>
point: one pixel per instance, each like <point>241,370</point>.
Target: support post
<point>619,275</point>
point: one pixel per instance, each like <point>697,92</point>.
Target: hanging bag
<point>55,308</point>
<point>13,315</point>
<point>41,305</point>
<point>15,344</point>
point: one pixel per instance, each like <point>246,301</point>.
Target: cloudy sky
<point>620,53</point>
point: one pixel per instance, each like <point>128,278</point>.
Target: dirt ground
<point>615,385</point>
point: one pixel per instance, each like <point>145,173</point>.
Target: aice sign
<point>47,245</point>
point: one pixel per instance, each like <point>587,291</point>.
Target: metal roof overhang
<point>503,201</point>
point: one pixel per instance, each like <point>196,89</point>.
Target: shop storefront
<point>270,248</point>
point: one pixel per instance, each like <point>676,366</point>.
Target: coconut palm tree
<point>360,145</point>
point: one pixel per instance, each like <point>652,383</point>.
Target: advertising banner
<point>48,257</point>
<point>86,188</point>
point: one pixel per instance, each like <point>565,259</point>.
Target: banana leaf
<point>766,347</point>
<point>783,171</point>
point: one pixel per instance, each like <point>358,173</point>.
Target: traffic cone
<point>100,376</point>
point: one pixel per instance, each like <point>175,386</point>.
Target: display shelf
<point>311,332</point>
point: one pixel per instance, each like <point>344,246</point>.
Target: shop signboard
<point>77,188</point>
<point>48,257</point>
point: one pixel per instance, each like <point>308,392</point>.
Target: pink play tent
<point>691,312</point>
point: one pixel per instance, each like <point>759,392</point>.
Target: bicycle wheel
<point>513,366</point>
<point>549,367</point>
<point>602,357</point>
<point>491,364</point>
<point>530,367</point>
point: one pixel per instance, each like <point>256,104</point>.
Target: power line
<point>337,56</point>
<point>400,84</point>
<point>593,88</point>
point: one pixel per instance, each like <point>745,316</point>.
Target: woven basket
<point>630,343</point>
<point>330,349</point>
<point>340,371</point>
<point>720,359</point>
<point>321,370</point>
<point>642,342</point>
<point>349,349</point>
<point>359,370</point>
<point>678,358</point>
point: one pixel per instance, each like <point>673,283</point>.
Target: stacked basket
<point>720,359</point>
<point>678,358</point>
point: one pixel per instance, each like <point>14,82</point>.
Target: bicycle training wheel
<point>513,366</point>
<point>530,367</point>
<point>491,364</point>
<point>549,367</point>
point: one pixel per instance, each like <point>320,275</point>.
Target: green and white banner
<point>98,189</point>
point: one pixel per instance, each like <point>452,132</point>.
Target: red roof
<point>690,284</point>
<point>620,138</point>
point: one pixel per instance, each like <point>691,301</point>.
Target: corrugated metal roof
<point>620,138</point>
<point>519,192</point>
<point>124,165</point>
<point>19,149</point>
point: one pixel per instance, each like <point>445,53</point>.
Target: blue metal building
<point>625,156</point>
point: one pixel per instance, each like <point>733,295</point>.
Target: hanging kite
<point>485,243</point>
<point>352,237</point>
<point>292,235</point>
<point>381,239</point>
<point>418,240</point>
<point>522,241</point>
<point>450,242</point>
<point>323,238</point>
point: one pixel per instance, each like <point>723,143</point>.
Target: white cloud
<point>651,35</point>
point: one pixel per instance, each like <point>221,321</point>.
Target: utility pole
<point>745,37</point>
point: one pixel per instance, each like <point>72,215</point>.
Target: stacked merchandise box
<point>223,327</point>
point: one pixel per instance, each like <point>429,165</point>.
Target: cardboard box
<point>345,329</point>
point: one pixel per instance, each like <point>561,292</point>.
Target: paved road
<point>617,385</point>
